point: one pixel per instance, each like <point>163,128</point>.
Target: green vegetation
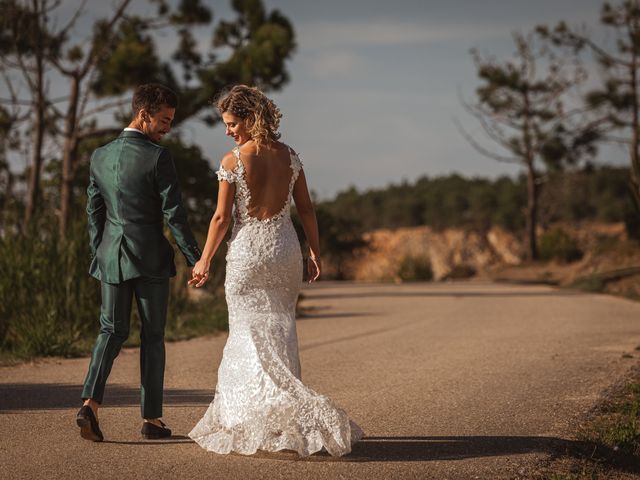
<point>617,426</point>
<point>608,441</point>
<point>611,107</point>
<point>186,319</point>
<point>39,41</point>
<point>51,306</point>
<point>590,193</point>
<point>599,282</point>
<point>556,244</point>
<point>49,302</point>
<point>520,106</point>
<point>590,284</point>
<point>415,268</point>
<point>460,272</point>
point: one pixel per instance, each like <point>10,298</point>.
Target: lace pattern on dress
<point>260,401</point>
<point>226,175</point>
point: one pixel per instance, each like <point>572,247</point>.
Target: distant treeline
<point>593,193</point>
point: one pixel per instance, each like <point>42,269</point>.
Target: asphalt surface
<point>459,380</point>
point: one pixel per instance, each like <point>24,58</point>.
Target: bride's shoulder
<point>295,158</point>
<point>286,149</point>
<point>229,161</point>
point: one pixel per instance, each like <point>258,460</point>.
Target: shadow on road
<point>311,295</point>
<point>172,440</point>
<point>422,449</point>
<point>406,449</point>
<point>425,449</point>
<point>316,313</point>
<point>16,397</point>
<point>310,345</point>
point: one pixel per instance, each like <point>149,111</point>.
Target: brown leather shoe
<point>88,423</point>
<point>153,432</point>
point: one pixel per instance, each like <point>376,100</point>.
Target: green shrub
<point>460,272</point>
<point>49,301</point>
<point>591,284</point>
<point>185,320</point>
<point>618,422</point>
<point>415,268</point>
<point>632,224</point>
<point>556,244</point>
<point>51,306</point>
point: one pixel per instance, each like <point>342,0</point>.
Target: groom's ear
<point>145,115</point>
<point>142,116</point>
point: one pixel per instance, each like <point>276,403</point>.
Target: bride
<point>260,402</point>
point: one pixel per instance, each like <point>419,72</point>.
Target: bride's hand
<point>313,268</point>
<point>199,274</point>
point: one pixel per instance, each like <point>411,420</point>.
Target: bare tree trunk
<point>635,140</point>
<point>6,202</point>
<point>532,212</point>
<point>532,186</point>
<point>71,134</point>
<point>69,156</point>
<point>33,196</point>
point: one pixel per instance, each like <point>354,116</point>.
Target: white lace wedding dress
<point>260,402</point>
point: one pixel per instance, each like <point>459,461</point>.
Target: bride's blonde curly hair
<point>260,114</point>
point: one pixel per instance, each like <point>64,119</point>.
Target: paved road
<point>462,380</point>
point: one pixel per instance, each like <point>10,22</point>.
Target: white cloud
<point>319,35</point>
<point>334,64</point>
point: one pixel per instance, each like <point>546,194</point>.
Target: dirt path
<point>462,380</point>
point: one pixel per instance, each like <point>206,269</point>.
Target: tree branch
<point>493,131</point>
<point>602,53</point>
<point>106,106</point>
<point>24,70</point>
<point>73,19</point>
<point>616,140</point>
<point>99,132</point>
<point>15,101</point>
<point>95,53</point>
<point>483,151</point>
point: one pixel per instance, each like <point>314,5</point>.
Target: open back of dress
<point>268,178</point>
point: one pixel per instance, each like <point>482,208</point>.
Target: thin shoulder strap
<point>296,166</point>
<point>236,153</point>
<point>232,174</point>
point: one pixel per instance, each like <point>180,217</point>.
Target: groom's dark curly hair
<point>152,97</point>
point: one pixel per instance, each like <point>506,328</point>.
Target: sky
<point>376,85</point>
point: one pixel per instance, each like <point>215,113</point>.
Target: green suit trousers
<point>115,313</point>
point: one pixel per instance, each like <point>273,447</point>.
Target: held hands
<point>199,274</point>
<point>313,268</point>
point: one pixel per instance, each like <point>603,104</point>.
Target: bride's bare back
<point>268,175</point>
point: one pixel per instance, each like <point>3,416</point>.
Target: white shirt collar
<point>128,129</point>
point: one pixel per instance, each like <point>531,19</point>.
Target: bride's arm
<point>217,229</point>
<point>307,214</point>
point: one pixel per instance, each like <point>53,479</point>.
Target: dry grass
<point>607,442</point>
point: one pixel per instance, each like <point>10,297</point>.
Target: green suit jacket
<point>132,187</point>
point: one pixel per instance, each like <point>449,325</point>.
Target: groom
<point>132,186</point>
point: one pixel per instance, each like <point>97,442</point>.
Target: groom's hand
<point>199,274</point>
<point>198,280</point>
